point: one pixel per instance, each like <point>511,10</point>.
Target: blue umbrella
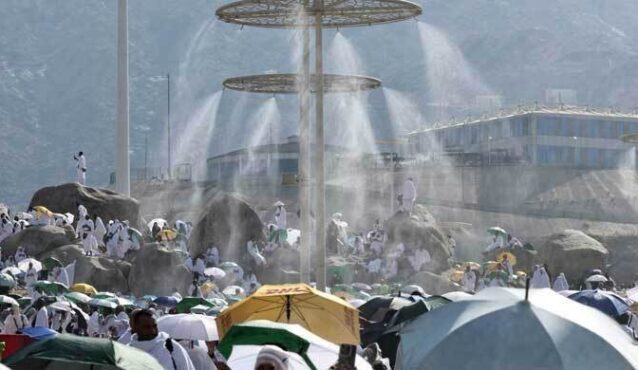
<point>607,302</point>
<point>39,333</point>
<point>167,301</point>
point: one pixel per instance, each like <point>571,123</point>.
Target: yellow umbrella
<point>323,314</point>
<point>520,274</point>
<point>207,287</point>
<point>168,234</point>
<point>473,265</point>
<point>42,211</point>
<point>510,257</point>
<point>491,265</point>
<point>456,276</point>
<point>84,288</point>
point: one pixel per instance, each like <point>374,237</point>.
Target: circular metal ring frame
<point>290,83</point>
<point>334,13</point>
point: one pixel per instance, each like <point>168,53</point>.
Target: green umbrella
<point>135,235</point>
<point>6,300</point>
<point>317,352</point>
<point>121,301</point>
<point>228,265</point>
<point>102,303</point>
<point>73,352</point>
<point>50,287</point>
<point>51,262</point>
<point>187,303</point>
<point>77,297</point>
<point>7,281</point>
<point>104,295</point>
<point>24,302</point>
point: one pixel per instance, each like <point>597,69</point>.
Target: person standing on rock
<point>100,231</point>
<point>124,240</point>
<point>469,280</point>
<point>80,167</point>
<point>280,221</point>
<point>560,283</point>
<point>88,239</point>
<point>409,195</point>
<point>30,277</point>
<point>112,238</point>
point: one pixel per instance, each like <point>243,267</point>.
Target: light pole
<point>168,120</point>
<point>123,164</point>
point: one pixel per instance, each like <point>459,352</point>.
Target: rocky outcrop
<point>434,284</point>
<point>573,253</point>
<point>158,271</point>
<point>525,258</point>
<point>229,223</point>
<point>37,240</point>
<point>105,203</point>
<point>420,230</point>
<point>283,267</point>
<point>103,273</point>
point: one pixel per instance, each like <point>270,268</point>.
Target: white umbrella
<point>567,293</point>
<point>457,296</point>
<point>69,218</point>
<point>160,222</point>
<point>234,290</point>
<point>596,279</point>
<point>12,270</point>
<point>24,264</point>
<point>61,306</point>
<point>245,356</point>
<point>25,216</point>
<point>293,234</point>
<point>189,326</point>
<point>4,299</point>
<point>215,272</point>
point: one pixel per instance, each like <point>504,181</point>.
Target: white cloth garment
<point>80,169</point>
<point>560,283</point>
<point>201,360</point>
<point>100,231</point>
<point>253,250</point>
<point>280,218</point>
<point>93,326</point>
<point>409,195</point>
<point>540,279</point>
<point>14,323</point>
<point>157,348</point>
<point>212,256</point>
<point>469,281</point>
<point>42,318</point>
<point>421,257</point>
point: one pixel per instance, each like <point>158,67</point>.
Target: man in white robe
<point>42,316</point>
<point>469,280</point>
<point>31,277</point>
<point>540,279</point>
<point>113,237</point>
<point>80,168</point>
<point>409,195</point>
<point>15,322</point>
<point>560,283</point>
<point>88,238</point>
<point>100,231</point>
<point>124,243</point>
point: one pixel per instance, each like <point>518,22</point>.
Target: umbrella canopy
<point>185,305</point>
<point>245,357</point>
<point>6,300</point>
<point>215,272</point>
<point>457,296</point>
<point>189,326</point>
<point>135,234</point>
<point>51,262</point>
<point>362,286</point>
<point>317,352</point>
<point>228,265</point>
<point>121,301</point>
<point>84,288</point>
<point>63,306</point>
<point>597,279</point>
<point>473,265</point>
<point>487,329</point>
<point>104,295</point>
<point>167,234</point>
<point>7,281</point>
<point>606,302</point>
<point>81,353</point>
<point>496,230</point>
<point>234,290</point>
<point>50,287</point>
<point>42,211</point>
<point>24,302</point>
<point>377,308</point>
<point>510,257</point>
<point>456,276</point>
<point>12,270</point>
<point>328,316</point>
<point>24,264</point>
<point>77,297</point>
<point>160,222</point>
<point>104,303</point>
<point>166,301</point>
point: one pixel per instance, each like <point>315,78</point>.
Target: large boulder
<point>573,253</point>
<point>283,267</point>
<point>37,240</point>
<point>104,203</point>
<point>420,229</point>
<point>103,273</point>
<point>158,271</point>
<point>622,242</point>
<point>229,223</point>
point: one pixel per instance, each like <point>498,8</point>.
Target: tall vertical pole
<point>319,150</point>
<point>146,157</point>
<point>122,169</point>
<point>168,121</point>
<point>304,157</point>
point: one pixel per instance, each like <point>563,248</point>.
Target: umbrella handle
<point>527,289</point>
